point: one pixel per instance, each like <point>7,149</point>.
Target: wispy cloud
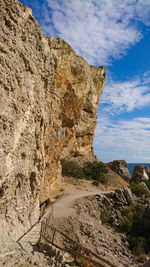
<point>124,138</point>
<point>99,30</point>
<point>128,95</point>
<point>146,79</point>
<point>143,11</point>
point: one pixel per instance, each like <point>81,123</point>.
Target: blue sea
<point>132,165</point>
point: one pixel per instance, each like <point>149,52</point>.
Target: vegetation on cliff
<point>71,168</point>
<point>96,171</point>
<point>136,224</point>
<point>139,190</point>
<point>128,214</point>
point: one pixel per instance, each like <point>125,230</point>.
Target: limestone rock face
<point>48,105</point>
<point>140,174</point>
<point>76,91</point>
<point>80,87</point>
<point>26,75</point>
<point>120,167</point>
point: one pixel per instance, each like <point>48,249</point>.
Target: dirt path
<point>64,206</point>
<point>63,199</point>
<point>72,190</point>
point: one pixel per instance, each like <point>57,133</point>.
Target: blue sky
<point>115,34</point>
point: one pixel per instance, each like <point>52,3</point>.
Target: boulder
<point>124,196</point>
<point>119,196</point>
<point>128,195</point>
<point>120,167</point>
<point>140,174</point>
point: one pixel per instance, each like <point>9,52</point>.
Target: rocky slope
<point>48,104</point>
<point>112,224</point>
<point>87,229</point>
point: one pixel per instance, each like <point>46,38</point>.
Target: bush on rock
<point>71,168</point>
<point>96,171</point>
<point>138,190</point>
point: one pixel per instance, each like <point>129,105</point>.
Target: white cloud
<point>97,29</point>
<point>124,139</point>
<point>128,95</point>
<point>146,79</point>
<point>143,11</point>
<point>128,139</point>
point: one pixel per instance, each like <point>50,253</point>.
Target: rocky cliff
<point>48,105</point>
<point>120,167</point>
<point>140,174</point>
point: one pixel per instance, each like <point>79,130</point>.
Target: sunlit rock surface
<point>140,174</point>
<point>48,108</point>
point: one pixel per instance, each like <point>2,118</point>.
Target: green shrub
<point>138,190</point>
<point>96,171</point>
<point>148,183</point>
<point>126,225</point>
<point>132,218</point>
<point>138,244</point>
<point>135,211</point>
<point>70,168</point>
<point>104,216</point>
<point>136,224</point>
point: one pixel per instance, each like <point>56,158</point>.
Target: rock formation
<point>48,105</point>
<point>120,167</point>
<point>77,88</point>
<point>140,174</point>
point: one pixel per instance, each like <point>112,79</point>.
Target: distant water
<point>132,165</point>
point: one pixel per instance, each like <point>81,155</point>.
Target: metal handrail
<point>73,252</point>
